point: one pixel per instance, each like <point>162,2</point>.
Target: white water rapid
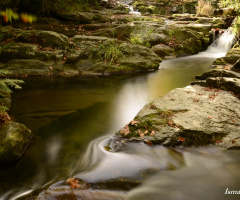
<point>220,46</point>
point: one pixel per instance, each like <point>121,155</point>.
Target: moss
<point>219,61</point>
<point>14,140</point>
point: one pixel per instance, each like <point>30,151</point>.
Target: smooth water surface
<point>73,118</point>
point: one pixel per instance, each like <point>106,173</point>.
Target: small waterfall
<point>130,7</point>
<point>220,45</point>
<point>225,41</point>
<point>132,12</point>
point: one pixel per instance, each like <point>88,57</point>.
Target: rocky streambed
<point>201,114</point>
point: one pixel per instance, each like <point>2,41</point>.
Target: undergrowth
<point>204,8</point>
<point>109,52</point>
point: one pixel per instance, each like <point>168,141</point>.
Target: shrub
<point>204,8</point>
<point>234,4</point>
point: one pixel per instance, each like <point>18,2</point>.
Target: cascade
<point>220,45</point>
<point>130,7</point>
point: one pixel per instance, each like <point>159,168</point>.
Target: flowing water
<point>73,120</point>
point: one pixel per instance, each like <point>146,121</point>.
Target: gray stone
<point>45,39</point>
<point>188,116</point>
<point>163,50</point>
<point>25,67</point>
<point>218,73</point>
<point>18,51</point>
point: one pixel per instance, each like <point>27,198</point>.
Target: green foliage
<point>236,26</point>
<point>234,4</point>
<point>204,8</point>
<point>109,52</point>
<point>6,84</point>
<point>140,36</point>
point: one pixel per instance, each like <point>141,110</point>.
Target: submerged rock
<point>79,190</point>
<point>14,139</point>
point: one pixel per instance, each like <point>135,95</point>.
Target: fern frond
<point>14,83</point>
<point>4,72</point>
<point>4,87</point>
<point>3,109</point>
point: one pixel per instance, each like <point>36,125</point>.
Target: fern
<point>14,83</point>
<point>5,85</point>
<point>3,109</point>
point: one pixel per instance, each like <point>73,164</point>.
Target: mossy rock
<point>45,39</point>
<point>17,51</point>
<point>14,140</point>
<point>163,50</point>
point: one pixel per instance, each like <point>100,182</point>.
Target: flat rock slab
<point>190,116</point>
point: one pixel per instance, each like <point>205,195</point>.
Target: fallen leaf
<point>152,133</point>
<point>149,143</point>
<point>133,122</point>
<point>181,139</point>
<point>126,132</point>
<point>141,135</point>
<point>73,182</point>
<point>218,141</point>
<point>140,132</point>
<point>234,141</point>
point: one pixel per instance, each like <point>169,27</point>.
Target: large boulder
<point>188,116</point>
<point>17,51</point>
<point>44,39</point>
<point>102,55</point>
<point>25,67</point>
<point>14,139</point>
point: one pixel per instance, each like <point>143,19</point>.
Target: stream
<point>73,120</point>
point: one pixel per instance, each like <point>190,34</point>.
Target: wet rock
<point>134,57</point>
<point>17,51</point>
<point>236,66</point>
<point>14,139</point>
<point>45,39</point>
<point>229,60</point>
<point>82,190</point>
<point>193,115</point>
<point>218,73</point>
<point>163,50</point>
<point>80,17</point>
<point>79,39</point>
<point>229,84</point>
<point>82,194</point>
<point>25,67</point>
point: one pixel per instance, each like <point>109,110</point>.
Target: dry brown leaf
<point>182,139</point>
<point>73,182</point>
<point>152,133</point>
<point>133,122</point>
